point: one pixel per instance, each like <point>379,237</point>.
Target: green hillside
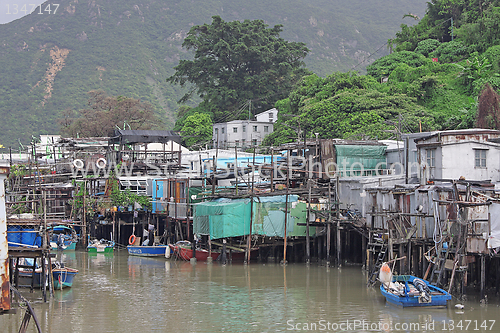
<point>439,77</point>
<point>48,62</point>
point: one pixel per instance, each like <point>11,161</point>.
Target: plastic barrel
<point>12,236</point>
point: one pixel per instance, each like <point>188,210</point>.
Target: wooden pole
<point>308,215</point>
<point>272,169</point>
<point>249,238</point>
<point>286,214</point>
<point>236,167</point>
<point>329,225</point>
<point>46,272</point>
<point>214,170</point>
<point>337,208</point>
<point>483,276</point>
<point>84,215</point>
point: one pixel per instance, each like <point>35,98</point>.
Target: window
<point>255,128</point>
<point>243,142</point>
<point>266,128</point>
<point>244,128</point>
<point>216,131</point>
<point>222,130</point>
<point>271,116</point>
<point>254,142</point>
<point>431,157</point>
<point>480,157</point>
<point>237,143</point>
<point>235,129</point>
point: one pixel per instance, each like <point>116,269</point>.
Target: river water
<point>118,293</point>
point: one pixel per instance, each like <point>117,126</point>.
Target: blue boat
<point>62,237</point>
<point>410,291</point>
<point>63,277</point>
<point>148,251</point>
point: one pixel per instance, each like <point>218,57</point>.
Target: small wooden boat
<point>25,277</point>
<point>184,251</point>
<point>63,277</point>
<point>148,251</point>
<point>62,237</point>
<point>410,291</point>
<point>101,246</point>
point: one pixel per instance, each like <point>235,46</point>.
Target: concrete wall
<point>459,160</point>
<point>4,249</point>
<point>245,133</point>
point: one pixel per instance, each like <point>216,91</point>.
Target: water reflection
<point>119,293</point>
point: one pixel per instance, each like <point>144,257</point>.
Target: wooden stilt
<point>483,276</point>
<point>308,239</point>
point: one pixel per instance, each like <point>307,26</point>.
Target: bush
<point>427,46</point>
<point>493,55</point>
<point>384,66</point>
<point>450,52</point>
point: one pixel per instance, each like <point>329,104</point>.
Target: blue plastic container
<point>28,237</point>
<point>13,236</point>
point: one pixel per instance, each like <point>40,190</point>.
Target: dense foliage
<point>475,22</point>
<point>197,129</point>
<point>129,48</point>
<point>347,105</point>
<point>239,61</point>
<point>436,80</point>
<point>104,113</point>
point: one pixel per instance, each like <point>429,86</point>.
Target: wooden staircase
<point>379,250</point>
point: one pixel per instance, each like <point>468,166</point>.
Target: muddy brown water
<point>118,293</point>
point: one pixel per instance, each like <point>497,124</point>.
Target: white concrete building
<point>244,133</point>
<point>471,154</point>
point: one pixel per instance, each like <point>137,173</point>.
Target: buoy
<point>385,274</point>
<point>167,252</point>
<point>131,240</point>
<point>101,163</point>
<point>459,306</point>
<point>78,164</point>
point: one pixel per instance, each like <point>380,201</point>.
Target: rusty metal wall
<point>4,249</point>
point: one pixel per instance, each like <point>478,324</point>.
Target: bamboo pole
<point>272,169</point>
<point>84,215</point>
<point>308,214</point>
<point>236,167</point>
<point>249,238</point>
<point>329,225</point>
<point>337,206</point>
<point>286,215</point>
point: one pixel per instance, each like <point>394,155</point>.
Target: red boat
<point>183,250</point>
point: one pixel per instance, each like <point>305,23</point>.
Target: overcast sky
<point>11,10</point>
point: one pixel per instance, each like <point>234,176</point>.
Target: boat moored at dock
<point>410,291</point>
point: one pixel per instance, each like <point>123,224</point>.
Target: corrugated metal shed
<point>144,136</point>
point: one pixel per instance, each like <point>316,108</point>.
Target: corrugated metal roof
<point>144,136</point>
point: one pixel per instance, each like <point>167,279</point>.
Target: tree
<point>384,66</point>
<point>239,61</point>
<point>197,129</point>
<point>105,113</point>
<point>348,106</point>
<point>488,109</point>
